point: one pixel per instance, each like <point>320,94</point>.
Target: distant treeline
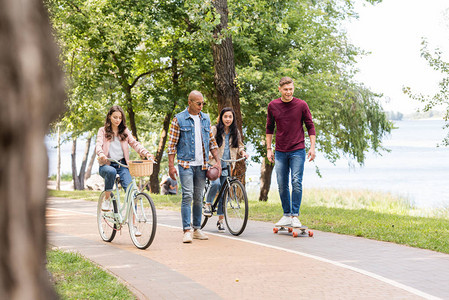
<point>398,116</point>
<point>394,116</point>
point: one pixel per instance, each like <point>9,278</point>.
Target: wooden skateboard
<point>303,230</point>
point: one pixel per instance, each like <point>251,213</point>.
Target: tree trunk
<point>224,65</point>
<point>123,81</point>
<point>78,179</point>
<point>58,172</point>
<point>90,165</point>
<point>131,115</point>
<point>76,183</point>
<point>82,172</point>
<point>154,179</point>
<point>32,96</point>
<point>266,169</point>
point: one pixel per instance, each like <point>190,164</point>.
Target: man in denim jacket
<point>191,139</point>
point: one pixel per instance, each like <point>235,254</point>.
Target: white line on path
<point>369,274</point>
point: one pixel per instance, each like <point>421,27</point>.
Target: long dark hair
<point>233,129</point>
<point>121,128</point>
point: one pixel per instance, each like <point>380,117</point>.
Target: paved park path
<point>256,265</point>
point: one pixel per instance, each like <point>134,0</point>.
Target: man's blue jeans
<point>193,180</point>
<point>108,172</point>
<point>213,190</point>
<point>290,163</point>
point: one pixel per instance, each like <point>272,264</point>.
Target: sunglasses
<point>200,103</point>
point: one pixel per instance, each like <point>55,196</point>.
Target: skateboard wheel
<point>295,234</point>
<point>290,230</point>
<point>310,233</point>
<point>275,230</point>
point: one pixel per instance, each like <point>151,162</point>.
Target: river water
<point>415,169</point>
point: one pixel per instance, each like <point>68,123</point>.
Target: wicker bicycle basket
<point>139,168</point>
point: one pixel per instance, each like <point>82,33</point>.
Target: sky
<point>392,31</point>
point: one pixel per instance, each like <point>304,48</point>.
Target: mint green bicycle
<point>136,209</point>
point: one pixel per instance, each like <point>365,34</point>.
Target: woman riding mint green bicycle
<point>137,209</point>
<point>112,148</point>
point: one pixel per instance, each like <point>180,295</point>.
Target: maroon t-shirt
<point>288,118</point>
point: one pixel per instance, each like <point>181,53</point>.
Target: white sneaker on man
<point>199,235</point>
<point>284,221</point>
<point>207,212</point>
<point>187,238</point>
<point>296,223</point>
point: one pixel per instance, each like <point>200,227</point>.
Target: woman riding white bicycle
<point>112,142</point>
<point>230,143</point>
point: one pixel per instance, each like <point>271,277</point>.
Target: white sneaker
<point>220,226</point>
<point>284,221</point>
<point>199,235</point>
<point>137,232</point>
<point>187,238</point>
<point>106,205</point>
<point>296,223</point>
<point>207,212</point>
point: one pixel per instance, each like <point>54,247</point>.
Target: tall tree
<point>32,97</point>
<point>225,79</point>
<point>224,65</point>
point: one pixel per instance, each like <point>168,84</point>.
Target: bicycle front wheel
<point>142,221</point>
<point>105,218</point>
<point>235,207</point>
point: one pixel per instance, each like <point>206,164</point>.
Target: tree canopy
<point>147,56</point>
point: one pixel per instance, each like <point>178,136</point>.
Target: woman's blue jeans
<point>287,163</point>
<point>109,172</point>
<point>193,180</point>
<point>213,190</point>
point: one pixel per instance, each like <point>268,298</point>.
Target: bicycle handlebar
<point>232,160</point>
<point>120,164</point>
<point>117,162</point>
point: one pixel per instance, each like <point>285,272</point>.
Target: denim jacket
<point>186,145</point>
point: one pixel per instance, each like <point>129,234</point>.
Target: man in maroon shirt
<point>288,114</point>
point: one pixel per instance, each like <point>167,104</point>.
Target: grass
<point>75,277</point>
<point>64,177</point>
<point>85,195</point>
<point>373,215</point>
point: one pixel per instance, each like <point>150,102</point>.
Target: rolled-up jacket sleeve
<point>212,142</point>
<point>173,136</point>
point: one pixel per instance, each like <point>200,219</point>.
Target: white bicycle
<point>136,209</point>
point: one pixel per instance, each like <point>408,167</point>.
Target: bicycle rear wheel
<point>142,221</point>
<point>235,207</point>
<point>105,219</point>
